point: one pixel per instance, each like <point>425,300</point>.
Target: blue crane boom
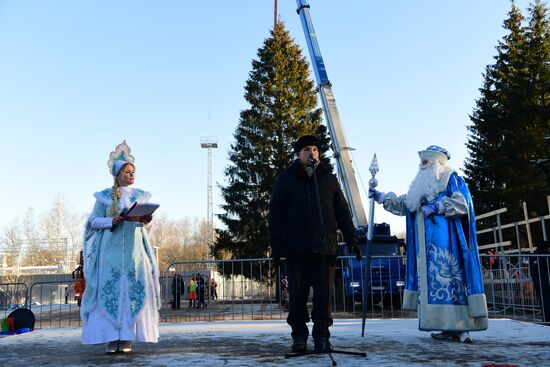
<point>339,145</point>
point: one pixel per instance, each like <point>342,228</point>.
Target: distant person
<point>201,291</point>
<point>192,290</point>
<point>284,288</point>
<point>540,274</point>
<point>178,288</point>
<point>122,297</point>
<point>66,295</point>
<point>444,281</point>
<point>79,282</point>
<point>490,260</point>
<point>213,289</point>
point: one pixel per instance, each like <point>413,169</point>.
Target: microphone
<point>312,161</point>
<point>122,214</point>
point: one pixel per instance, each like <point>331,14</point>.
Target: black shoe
<point>322,345</point>
<point>299,345</point>
<point>112,348</point>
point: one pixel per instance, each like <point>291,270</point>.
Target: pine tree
<point>283,107</point>
<point>538,98</point>
<point>506,135</point>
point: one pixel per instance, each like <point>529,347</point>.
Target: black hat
<point>305,141</point>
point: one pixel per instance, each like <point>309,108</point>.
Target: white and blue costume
<point>444,279</point>
<point>121,299</point>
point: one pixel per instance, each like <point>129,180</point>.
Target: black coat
<point>294,223</point>
<point>178,285</point>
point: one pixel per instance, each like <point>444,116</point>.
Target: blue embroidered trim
<point>137,293</point>
<point>110,293</point>
<point>105,196</point>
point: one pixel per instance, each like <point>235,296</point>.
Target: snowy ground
<point>395,342</point>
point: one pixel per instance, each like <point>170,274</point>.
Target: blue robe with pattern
<point>444,280</point>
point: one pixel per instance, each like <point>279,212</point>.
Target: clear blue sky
<point>78,77</point>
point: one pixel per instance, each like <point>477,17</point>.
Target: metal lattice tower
<point>209,142</point>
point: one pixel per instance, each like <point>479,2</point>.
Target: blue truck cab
<point>387,270</point>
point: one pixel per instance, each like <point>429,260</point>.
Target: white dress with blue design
<point>121,299</point>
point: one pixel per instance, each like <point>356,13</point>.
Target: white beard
<point>425,185</point>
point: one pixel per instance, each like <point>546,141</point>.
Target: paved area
<point>395,342</point>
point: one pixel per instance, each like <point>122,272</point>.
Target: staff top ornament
<point>373,182</point>
<point>119,157</point>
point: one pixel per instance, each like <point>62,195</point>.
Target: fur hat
<point>305,141</point>
<point>434,152</point>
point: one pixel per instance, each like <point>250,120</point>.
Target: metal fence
<point>53,304</point>
<point>12,297</point>
<point>516,286</point>
<point>511,238</point>
<point>226,289</point>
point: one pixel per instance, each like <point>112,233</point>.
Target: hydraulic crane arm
<point>339,145</point>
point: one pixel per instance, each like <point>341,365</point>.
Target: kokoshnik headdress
<point>119,157</point>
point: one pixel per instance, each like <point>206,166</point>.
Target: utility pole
<point>209,143</point>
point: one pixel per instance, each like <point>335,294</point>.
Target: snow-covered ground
<point>396,342</point>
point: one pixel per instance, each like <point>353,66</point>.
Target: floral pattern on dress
<point>137,293</point>
<point>110,293</point>
<point>445,277</point>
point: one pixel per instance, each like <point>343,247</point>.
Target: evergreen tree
<point>510,120</point>
<point>537,101</point>
<point>283,107</point>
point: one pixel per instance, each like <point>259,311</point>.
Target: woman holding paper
<point>121,299</point>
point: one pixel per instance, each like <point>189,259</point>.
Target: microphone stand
<point>324,279</point>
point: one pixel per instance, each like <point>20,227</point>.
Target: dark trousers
<point>176,300</point>
<point>541,280</point>
<point>305,272</point>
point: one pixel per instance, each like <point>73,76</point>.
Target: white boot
<point>125,346</point>
<point>465,337</point>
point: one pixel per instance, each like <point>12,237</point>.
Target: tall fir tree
<point>510,120</point>
<point>283,107</point>
<point>538,100</point>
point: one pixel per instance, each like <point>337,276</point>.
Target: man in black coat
<point>178,287</point>
<point>308,240</point>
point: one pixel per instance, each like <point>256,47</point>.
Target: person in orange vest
<point>79,286</point>
<point>192,292</point>
<point>80,282</point>
<point>491,259</point>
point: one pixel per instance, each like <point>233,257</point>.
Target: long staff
<point>373,182</point>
